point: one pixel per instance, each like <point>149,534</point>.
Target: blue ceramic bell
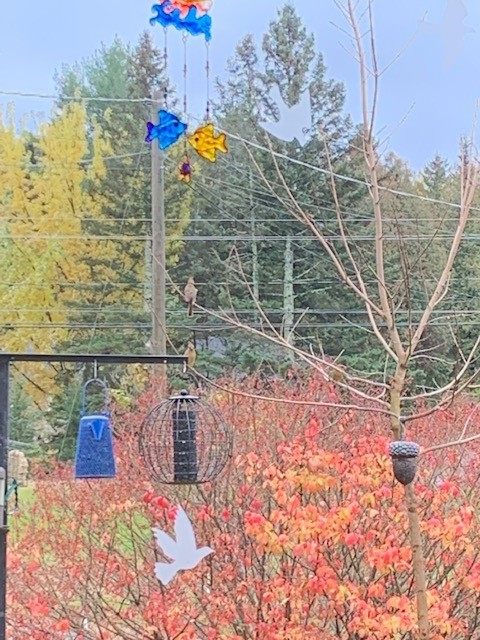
<point>94,457</point>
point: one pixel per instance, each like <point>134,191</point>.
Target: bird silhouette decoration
<point>183,551</point>
<point>294,123</point>
<point>452,30</point>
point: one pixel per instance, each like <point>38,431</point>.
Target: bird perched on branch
<point>190,295</point>
<point>191,355</point>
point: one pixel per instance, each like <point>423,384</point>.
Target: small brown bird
<point>190,295</point>
<point>191,355</point>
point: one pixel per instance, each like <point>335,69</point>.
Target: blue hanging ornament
<point>167,131</point>
<point>168,14</point>
<point>94,457</point>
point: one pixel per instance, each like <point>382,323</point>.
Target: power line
<point>219,326</point>
<point>192,221</point>
<point>216,283</point>
<point>41,285</point>
<point>46,96</point>
<point>365,216</point>
<point>255,145</point>
<point>230,238</point>
<point>236,311</point>
<point>339,176</point>
<point>41,163</point>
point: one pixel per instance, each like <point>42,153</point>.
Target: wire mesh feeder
<point>185,441</point>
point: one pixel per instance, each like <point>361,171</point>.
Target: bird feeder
<point>405,460</point>
<point>184,440</point>
<point>94,456</point>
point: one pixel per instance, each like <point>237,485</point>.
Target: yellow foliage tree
<point>47,186</point>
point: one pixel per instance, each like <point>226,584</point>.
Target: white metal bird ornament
<point>451,29</point>
<point>293,123</point>
<point>183,551</point>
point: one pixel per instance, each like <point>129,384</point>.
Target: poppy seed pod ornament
<point>405,458</point>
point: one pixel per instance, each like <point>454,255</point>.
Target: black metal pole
<point>4,374</point>
<point>5,359</point>
<point>100,358</point>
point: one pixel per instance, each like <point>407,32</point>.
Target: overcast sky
<point>433,89</point>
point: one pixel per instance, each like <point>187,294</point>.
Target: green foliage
<point>25,421</point>
<point>289,51</point>
<point>233,202</point>
<point>227,228</point>
<point>64,416</point>
<point>122,72</point>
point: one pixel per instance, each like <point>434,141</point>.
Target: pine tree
<point>435,174</point>
<point>233,193</point>
<point>289,52</point>
<point>129,75</point>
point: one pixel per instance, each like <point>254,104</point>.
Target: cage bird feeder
<point>405,460</point>
<point>94,456</point>
<point>184,440</point>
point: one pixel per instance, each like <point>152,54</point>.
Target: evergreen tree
<point>130,76</point>
<point>435,175</point>
<point>245,94</point>
<point>235,202</point>
<point>289,52</point>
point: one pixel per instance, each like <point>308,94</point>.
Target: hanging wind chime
<point>190,16</point>
<point>183,440</point>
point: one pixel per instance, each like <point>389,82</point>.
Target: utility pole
<point>159,329</point>
<point>255,262</point>
<point>289,296</point>
<point>4,404</point>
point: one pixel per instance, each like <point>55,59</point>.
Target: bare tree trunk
<point>397,385</point>
<point>418,562</point>
<point>418,558</point>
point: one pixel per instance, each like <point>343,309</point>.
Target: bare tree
<point>384,300</point>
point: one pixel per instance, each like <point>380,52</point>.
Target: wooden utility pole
<point>4,405</point>
<point>159,329</point>
<point>255,262</point>
<point>289,295</point>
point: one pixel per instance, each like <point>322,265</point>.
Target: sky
<point>427,99</point>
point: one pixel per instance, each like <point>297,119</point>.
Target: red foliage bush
<point>307,524</point>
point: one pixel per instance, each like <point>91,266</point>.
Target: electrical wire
<point>213,283</point>
<point>46,96</point>
<point>196,221</point>
<point>252,144</point>
<point>144,326</point>
<point>237,311</point>
<point>258,194</point>
<point>227,238</point>
<point>41,163</point>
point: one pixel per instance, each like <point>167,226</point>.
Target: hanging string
<point>185,74</point>
<point>185,169</point>
<point>165,69</point>
<point>207,72</point>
